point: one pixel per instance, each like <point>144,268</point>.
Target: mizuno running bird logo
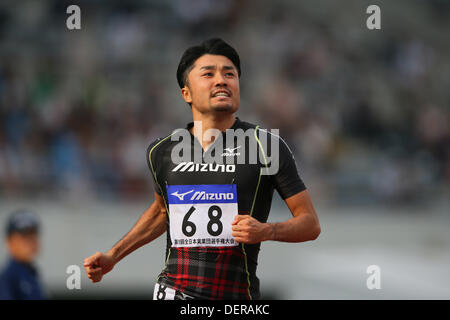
<point>203,195</point>
<point>181,195</point>
<point>230,152</point>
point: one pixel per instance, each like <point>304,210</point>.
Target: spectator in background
<point>19,280</point>
<point>76,104</point>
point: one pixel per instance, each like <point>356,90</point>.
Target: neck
<point>204,122</point>
<point>21,259</point>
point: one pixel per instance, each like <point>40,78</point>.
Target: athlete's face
<point>212,85</point>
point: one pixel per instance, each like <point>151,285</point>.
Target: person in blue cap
<point>19,280</point>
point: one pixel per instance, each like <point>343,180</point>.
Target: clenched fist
<point>247,229</point>
<point>98,265</point>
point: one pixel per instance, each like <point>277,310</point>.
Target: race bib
<point>201,215</point>
<point>162,292</point>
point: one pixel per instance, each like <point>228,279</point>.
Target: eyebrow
<point>214,67</point>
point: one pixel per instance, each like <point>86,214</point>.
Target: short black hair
<point>214,46</point>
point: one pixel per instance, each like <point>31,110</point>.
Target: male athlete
<point>214,211</point>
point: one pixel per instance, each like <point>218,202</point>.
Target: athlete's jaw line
<point>221,103</point>
<point>222,106</point>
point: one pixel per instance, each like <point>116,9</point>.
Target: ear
<point>186,93</point>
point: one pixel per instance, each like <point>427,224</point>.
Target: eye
<point>208,74</point>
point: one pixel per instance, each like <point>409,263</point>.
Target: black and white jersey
<point>202,197</point>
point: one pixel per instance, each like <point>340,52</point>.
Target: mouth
<point>221,94</point>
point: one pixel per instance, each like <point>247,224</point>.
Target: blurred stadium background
<point>365,112</point>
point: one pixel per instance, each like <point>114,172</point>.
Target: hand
<point>247,229</point>
<point>98,265</point>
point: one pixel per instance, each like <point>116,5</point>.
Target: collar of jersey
<point>234,126</point>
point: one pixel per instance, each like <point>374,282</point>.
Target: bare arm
<point>149,226</point>
<point>304,225</point>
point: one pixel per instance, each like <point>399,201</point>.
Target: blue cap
<point>22,221</point>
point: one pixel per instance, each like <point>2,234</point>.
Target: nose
<point>220,80</point>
